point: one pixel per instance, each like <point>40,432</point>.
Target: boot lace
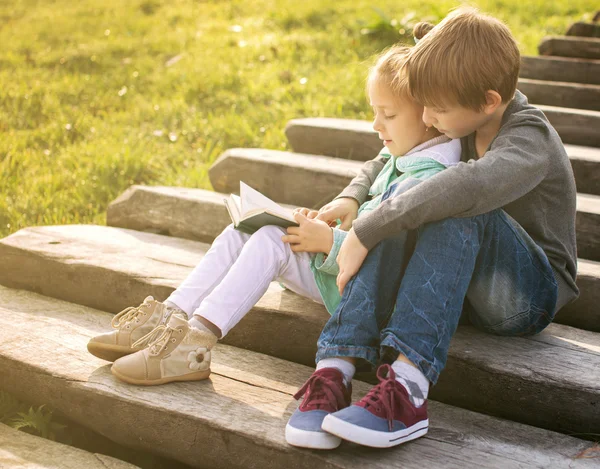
<point>387,396</point>
<point>321,392</point>
<point>157,339</point>
<point>128,315</point>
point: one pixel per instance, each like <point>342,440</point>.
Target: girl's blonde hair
<point>460,59</point>
<point>389,71</point>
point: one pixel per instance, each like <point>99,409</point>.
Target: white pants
<point>236,272</point>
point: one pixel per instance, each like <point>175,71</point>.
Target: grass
<point>96,96</point>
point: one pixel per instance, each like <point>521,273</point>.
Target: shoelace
<point>156,339</point>
<point>386,395</point>
<point>321,392</point>
<point>127,315</point>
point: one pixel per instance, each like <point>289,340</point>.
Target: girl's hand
<point>351,256</point>
<point>346,209</point>
<point>311,236</point>
<point>307,212</point>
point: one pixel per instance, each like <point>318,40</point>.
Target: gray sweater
<point>526,172</point>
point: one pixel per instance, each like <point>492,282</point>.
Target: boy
<point>497,229</point>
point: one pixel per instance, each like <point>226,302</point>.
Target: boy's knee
<point>495,320</point>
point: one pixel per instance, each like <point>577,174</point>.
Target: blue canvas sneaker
<point>385,417</point>
<point>324,393</point>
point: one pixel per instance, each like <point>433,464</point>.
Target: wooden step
<point>277,175</point>
<point>581,28</point>
<point>356,140</point>
<point>554,377</point>
<point>588,226</point>
<point>575,126</point>
<point>20,450</point>
<point>561,69</point>
<point>564,94</point>
<point>570,46</point>
<point>236,419</point>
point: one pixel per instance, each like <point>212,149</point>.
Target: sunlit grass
<point>96,96</point>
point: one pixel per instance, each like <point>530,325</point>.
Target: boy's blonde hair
<point>389,71</point>
<point>460,59</point>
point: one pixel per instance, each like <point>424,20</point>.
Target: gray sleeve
<point>516,163</point>
<point>358,188</point>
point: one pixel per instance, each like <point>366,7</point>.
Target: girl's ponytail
<point>421,29</point>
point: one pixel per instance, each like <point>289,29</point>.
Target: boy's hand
<point>311,236</point>
<point>307,212</point>
<point>346,209</point>
<point>351,256</point>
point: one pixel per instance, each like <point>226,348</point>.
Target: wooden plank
<point>570,46</point>
<point>20,450</point>
<point>249,164</point>
<point>564,94</point>
<point>553,387</point>
<point>584,29</point>
<point>585,162</point>
<point>172,211</point>
<point>579,312</point>
<point>329,137</point>
<point>235,419</point>
<point>561,69</point>
<point>575,126</point>
<point>588,226</point>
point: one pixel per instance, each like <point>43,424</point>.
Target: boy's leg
<point>513,290</point>
<point>352,331</point>
<point>367,303</point>
<point>509,274</point>
<point>504,265</point>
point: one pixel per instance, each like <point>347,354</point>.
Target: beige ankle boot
<point>131,324</point>
<point>175,352</point>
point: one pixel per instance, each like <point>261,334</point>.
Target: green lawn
<point>98,95</point>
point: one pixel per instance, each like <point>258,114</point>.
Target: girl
<point>156,343</point>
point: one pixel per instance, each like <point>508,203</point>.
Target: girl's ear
<point>493,100</point>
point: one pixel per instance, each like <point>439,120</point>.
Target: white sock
<point>415,382</point>
<point>344,366</point>
<point>194,322</point>
<point>173,308</point>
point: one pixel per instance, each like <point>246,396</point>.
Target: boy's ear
<point>493,100</point>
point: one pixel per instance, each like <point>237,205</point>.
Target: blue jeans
<point>488,259</point>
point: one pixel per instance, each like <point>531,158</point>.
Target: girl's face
<point>398,121</point>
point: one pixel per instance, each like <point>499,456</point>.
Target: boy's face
<point>455,121</point>
<point>396,120</point>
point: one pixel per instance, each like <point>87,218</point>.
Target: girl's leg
<point>210,271</point>
<point>263,258</point>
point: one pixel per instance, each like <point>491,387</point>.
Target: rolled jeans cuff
<point>368,354</point>
<point>390,341</point>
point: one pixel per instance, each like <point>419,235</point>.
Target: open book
<point>252,210</point>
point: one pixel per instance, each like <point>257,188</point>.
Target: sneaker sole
<point>110,353</point>
<point>307,439</point>
<point>373,438</point>
<point>198,376</point>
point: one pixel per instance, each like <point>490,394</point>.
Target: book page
<point>232,203</point>
<point>252,200</point>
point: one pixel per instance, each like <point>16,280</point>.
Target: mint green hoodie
<point>421,162</point>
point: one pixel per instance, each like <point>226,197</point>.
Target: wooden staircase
<point>501,402</point>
